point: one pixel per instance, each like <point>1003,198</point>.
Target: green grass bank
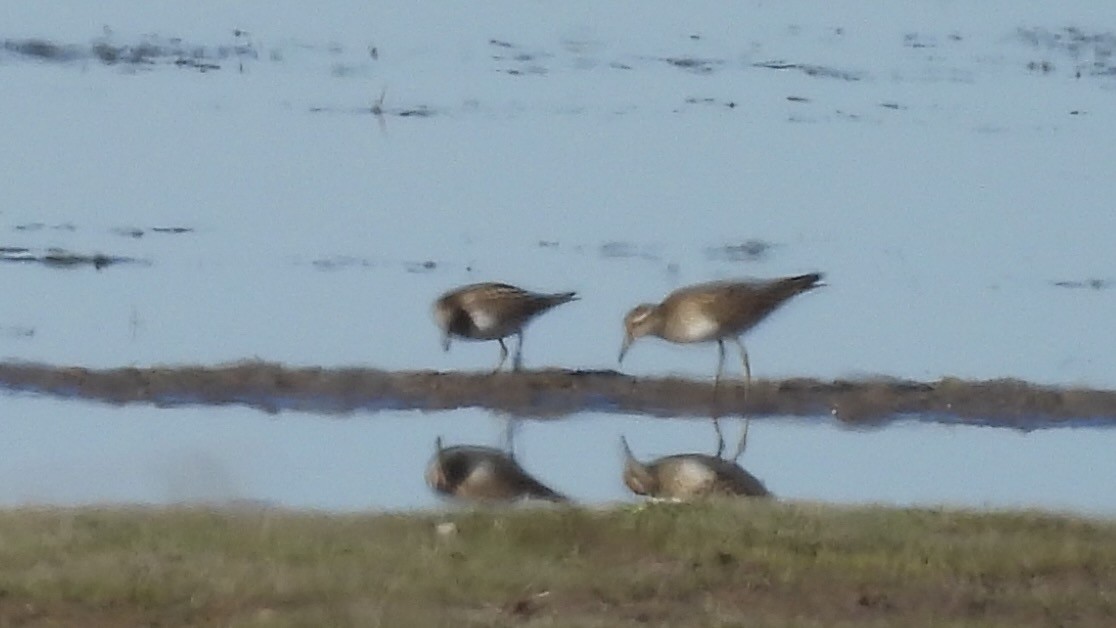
<point>707,564</point>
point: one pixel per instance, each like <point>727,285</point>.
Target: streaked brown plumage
<point>492,311</point>
<point>483,474</point>
<point>717,310</point>
<point>689,476</point>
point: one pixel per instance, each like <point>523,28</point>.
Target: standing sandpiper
<point>492,311</point>
<point>714,311</point>
<point>483,474</point>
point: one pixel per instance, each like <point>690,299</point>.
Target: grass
<point>718,563</point>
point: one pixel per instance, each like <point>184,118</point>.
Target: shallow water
<point>949,170</point>
<point>951,228</point>
<point>65,453</point>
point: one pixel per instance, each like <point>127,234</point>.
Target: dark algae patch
<point>554,393</point>
<point>61,258</point>
<point>152,50</point>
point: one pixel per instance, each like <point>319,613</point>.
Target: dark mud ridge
<point>60,258</point>
<point>552,393</point>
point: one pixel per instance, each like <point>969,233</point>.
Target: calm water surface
<point>67,453</point>
<point>953,196</point>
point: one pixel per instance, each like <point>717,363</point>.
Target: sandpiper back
<point>492,311</point>
<point>714,311</point>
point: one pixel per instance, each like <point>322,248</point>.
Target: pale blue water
<point>64,452</point>
<point>944,191</point>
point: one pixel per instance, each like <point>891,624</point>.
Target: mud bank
<point>553,393</point>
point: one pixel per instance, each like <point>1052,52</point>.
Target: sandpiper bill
<point>717,310</point>
<point>483,474</point>
<point>492,311</point>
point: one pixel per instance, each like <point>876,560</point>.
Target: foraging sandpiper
<point>492,311</point>
<point>483,474</point>
<point>714,311</point>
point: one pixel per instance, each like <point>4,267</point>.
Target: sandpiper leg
<point>716,385</point>
<point>503,355</point>
<point>517,361</point>
<point>747,368</point>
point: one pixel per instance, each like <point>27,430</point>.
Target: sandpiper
<point>492,311</point>
<point>714,311</point>
<point>483,474</point>
<point>691,476</point>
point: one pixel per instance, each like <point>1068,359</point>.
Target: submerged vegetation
<point>61,258</point>
<point>712,563</point>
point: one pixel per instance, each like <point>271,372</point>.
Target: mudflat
<point>554,393</point>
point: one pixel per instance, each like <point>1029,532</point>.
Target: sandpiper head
<point>640,321</point>
<point>637,476</point>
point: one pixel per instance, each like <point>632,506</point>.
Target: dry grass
<point>721,563</point>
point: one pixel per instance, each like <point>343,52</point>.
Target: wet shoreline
<point>554,393</point>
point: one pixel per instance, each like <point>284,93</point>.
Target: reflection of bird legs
<point>740,446</point>
<point>747,369</point>
<point>716,408</point>
<point>720,436</point>
<point>510,425</point>
<point>743,442</point>
<point>744,402</point>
